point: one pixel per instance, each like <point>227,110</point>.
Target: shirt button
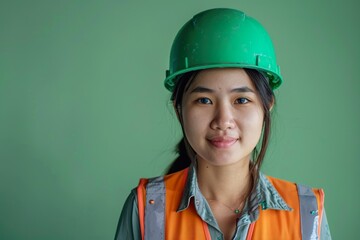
<point>197,202</point>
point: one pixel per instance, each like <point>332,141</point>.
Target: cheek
<point>252,122</point>
<point>192,121</point>
<point>195,124</point>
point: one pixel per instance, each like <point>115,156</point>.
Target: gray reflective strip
<point>155,209</point>
<point>309,215</point>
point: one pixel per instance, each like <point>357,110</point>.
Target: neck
<point>228,184</point>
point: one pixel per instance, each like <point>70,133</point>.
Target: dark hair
<point>184,150</point>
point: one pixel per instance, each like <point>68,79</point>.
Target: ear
<point>272,104</point>
<point>177,111</point>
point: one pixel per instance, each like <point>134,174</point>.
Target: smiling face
<point>222,116</point>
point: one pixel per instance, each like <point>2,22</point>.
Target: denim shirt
<point>265,196</point>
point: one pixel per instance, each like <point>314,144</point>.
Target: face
<point>222,116</point>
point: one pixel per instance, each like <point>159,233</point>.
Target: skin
<point>222,118</point>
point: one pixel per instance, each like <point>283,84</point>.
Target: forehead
<point>222,79</point>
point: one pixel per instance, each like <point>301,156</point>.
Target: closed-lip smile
<point>222,141</point>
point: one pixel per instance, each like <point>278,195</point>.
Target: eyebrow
<point>201,89</point>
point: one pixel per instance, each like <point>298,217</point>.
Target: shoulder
<point>171,180</point>
<point>128,226</point>
<point>288,186</point>
<point>293,192</point>
<point>281,185</point>
<point>130,205</point>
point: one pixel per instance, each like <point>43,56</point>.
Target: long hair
<point>184,150</point>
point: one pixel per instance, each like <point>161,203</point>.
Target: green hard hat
<point>222,38</point>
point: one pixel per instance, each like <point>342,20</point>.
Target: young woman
<point>222,75</point>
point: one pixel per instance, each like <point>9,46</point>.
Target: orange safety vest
<point>160,198</point>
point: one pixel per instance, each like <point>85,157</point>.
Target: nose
<point>223,118</point>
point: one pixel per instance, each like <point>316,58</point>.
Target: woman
<point>222,75</point>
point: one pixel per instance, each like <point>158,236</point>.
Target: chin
<point>222,161</point>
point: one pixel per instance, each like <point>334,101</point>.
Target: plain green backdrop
<point>84,114</point>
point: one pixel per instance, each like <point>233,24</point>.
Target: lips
<point>222,141</point>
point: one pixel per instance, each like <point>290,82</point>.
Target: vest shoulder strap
<point>155,209</point>
<point>310,212</point>
<point>153,225</point>
<point>152,204</point>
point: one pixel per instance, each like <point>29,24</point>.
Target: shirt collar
<point>265,195</point>
<point>269,197</point>
<point>190,190</point>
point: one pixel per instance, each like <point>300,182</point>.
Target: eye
<point>242,100</point>
<point>204,100</point>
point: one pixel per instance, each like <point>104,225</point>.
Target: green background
<point>84,115</point>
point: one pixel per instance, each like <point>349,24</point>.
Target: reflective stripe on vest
<point>155,218</point>
<point>155,209</point>
<point>309,212</point>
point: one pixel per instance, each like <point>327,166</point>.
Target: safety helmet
<point>222,38</point>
